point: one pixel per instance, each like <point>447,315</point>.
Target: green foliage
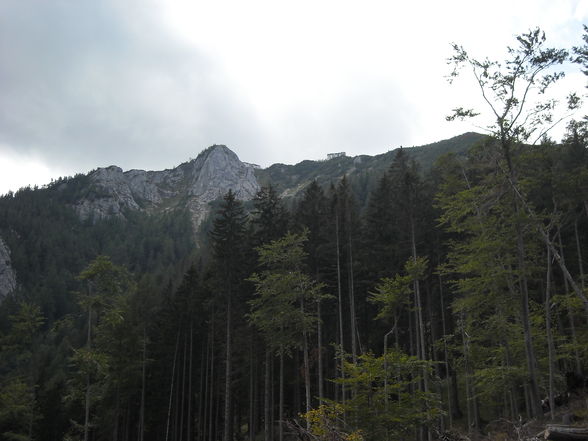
<point>390,294</point>
<point>326,424</point>
<point>387,402</point>
<point>17,410</point>
<point>155,339</point>
<point>282,290</point>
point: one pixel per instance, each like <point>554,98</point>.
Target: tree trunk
<point>143,376</point>
<point>183,390</point>
<point>320,353</point>
<point>420,324</point>
<point>352,300</point>
<point>189,412</point>
<point>468,394</point>
<point>340,310</point>
<point>204,435</point>
<point>544,235</point>
<point>227,436</point>
<point>445,354</point>
<point>211,407</point>
<point>171,388</point>
<point>87,403</point>
<point>281,410</point>
<point>116,415</point>
<point>306,366</point>
<point>202,391</point>
<point>578,369</point>
<point>579,251</point>
<point>550,346</point>
<point>251,391</point>
<point>266,401</point>
<point>566,433</point>
<point>525,317</point>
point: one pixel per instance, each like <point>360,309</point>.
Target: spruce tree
<point>228,242</point>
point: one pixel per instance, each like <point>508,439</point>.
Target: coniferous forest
<point>445,303</point>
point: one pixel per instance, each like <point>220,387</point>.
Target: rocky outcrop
<point>7,274</point>
<point>191,185</point>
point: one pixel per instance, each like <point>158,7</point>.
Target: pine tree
<point>228,241</point>
<point>281,309</point>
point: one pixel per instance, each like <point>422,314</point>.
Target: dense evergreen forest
<point>450,301</point>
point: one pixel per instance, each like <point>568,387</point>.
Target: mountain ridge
<point>196,183</point>
<point>290,180</point>
<point>192,184</point>
<point>190,189</point>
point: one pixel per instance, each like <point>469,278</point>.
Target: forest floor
<point>575,413</point>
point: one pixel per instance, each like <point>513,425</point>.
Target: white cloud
<point>18,171</point>
<point>148,84</point>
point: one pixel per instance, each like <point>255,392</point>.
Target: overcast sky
<point>149,84</point>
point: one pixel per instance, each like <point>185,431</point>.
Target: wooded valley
<point>450,300</point>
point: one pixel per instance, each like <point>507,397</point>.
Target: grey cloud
<point>86,83</point>
<point>365,119</point>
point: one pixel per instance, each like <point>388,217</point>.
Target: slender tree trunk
<point>116,415</point>
<point>202,391</point>
<point>256,418</point>
<point>87,404</point>
<point>385,353</point>
<point>266,401</point>
<point>550,346</point>
<point>306,366</point>
<point>544,235</point>
<point>143,377</point>
<point>352,300</point>
<point>320,353</point>
<point>171,388</point>
<point>420,324</point>
<point>528,407</point>
<point>281,404</point>
<point>272,400</point>
<point>205,435</point>
<point>340,310</point>
<point>211,407</point>
<point>512,391</point>
<point>525,317</point>
<point>189,413</point>
<point>183,390</point>
<point>175,432</point>
<point>227,436</point>
<point>570,312</point>
<point>445,354</point>
<point>251,391</point>
<point>579,251</point>
<point>467,375</point>
<point>217,414</point>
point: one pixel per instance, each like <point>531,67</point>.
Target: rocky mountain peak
<point>218,170</point>
<point>191,185</point>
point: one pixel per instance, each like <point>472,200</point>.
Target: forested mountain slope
<point>383,298</point>
<point>363,171</point>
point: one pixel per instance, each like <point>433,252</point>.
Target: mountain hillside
<point>120,291</point>
<point>110,192</point>
<point>155,219</point>
<point>290,180</point>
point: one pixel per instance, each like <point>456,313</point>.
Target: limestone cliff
<point>7,275</point>
<point>191,185</point>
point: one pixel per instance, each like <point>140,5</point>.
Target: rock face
<point>7,274</point>
<point>192,185</point>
